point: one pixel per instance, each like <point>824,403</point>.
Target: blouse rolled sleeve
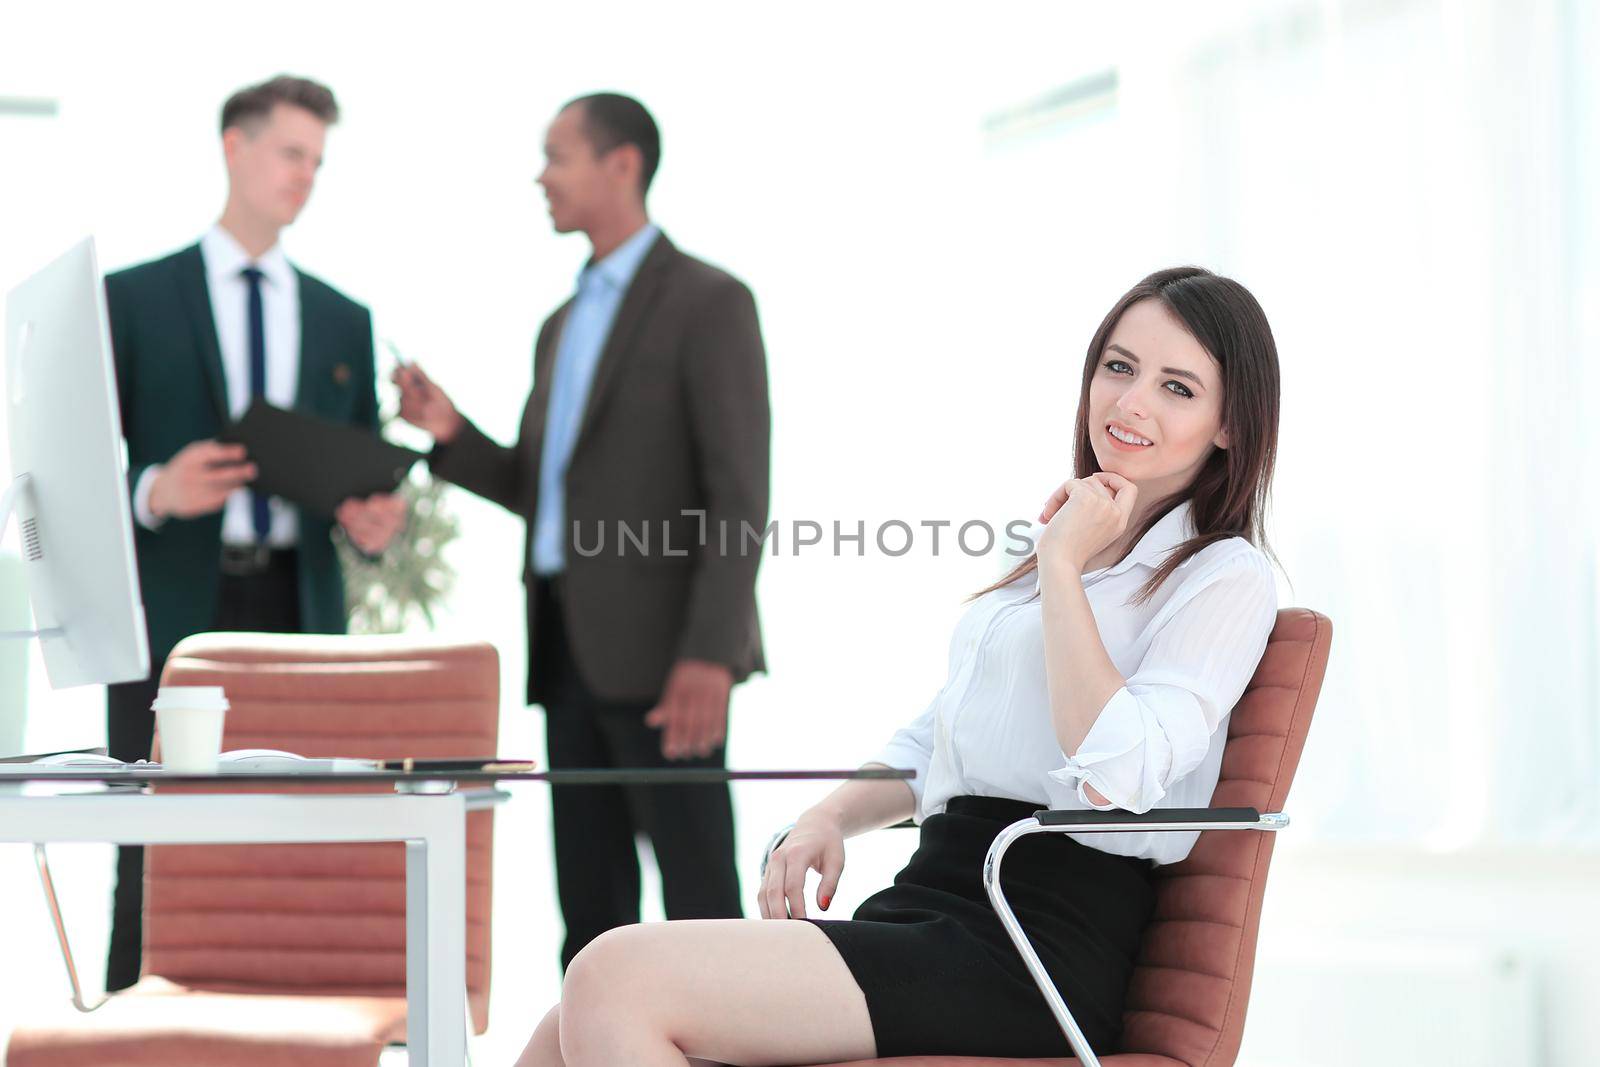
<point>911,747</point>
<point>1158,726</point>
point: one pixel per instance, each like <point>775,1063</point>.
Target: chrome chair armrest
<point>1159,820</point>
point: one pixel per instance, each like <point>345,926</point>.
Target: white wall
<point>1394,955</point>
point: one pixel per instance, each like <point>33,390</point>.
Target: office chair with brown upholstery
<point>294,955</point>
<point>1187,998</point>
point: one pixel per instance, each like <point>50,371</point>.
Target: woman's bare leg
<point>544,1050</point>
<point>744,991</point>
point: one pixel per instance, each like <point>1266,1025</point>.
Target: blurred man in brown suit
<point>641,463</point>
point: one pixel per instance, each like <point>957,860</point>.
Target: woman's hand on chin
<point>1083,518</point>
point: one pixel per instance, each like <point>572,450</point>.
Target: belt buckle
<point>244,560</point>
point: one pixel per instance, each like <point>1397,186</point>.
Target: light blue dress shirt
<point>601,287</point>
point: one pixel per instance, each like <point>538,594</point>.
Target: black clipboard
<point>317,463</point>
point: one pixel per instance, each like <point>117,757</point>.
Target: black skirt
<point>941,976</point>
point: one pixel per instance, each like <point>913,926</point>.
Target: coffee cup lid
<point>190,696</point>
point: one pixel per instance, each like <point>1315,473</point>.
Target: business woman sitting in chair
<point>1097,674</point>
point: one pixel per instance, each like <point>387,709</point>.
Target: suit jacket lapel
<point>635,308</point>
<point>313,358</point>
<point>196,297</point>
<point>544,366</point>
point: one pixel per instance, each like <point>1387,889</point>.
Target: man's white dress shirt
<point>1186,655</point>
<point>225,260</point>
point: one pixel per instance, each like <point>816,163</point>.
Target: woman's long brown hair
<point>1229,496</point>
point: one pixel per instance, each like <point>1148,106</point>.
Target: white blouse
<point>1186,654</point>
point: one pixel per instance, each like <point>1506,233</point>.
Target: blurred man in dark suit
<point>648,412</point>
<point>197,336</point>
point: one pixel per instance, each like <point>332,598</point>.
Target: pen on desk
<point>488,766</point>
<point>341,765</point>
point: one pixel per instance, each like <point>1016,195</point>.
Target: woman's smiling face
<point>1155,402</point>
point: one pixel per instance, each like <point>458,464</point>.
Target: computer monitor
<point>69,493</point>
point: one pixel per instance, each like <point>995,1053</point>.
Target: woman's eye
<point>1116,366</point>
<point>1179,388</point>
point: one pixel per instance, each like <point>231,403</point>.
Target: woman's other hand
<point>816,843</point>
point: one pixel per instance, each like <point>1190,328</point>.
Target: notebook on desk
<point>237,761</point>
<point>35,757</point>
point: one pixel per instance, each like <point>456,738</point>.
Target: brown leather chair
<point>294,955</point>
<point>1186,1002</point>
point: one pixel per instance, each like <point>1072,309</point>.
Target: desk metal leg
<point>54,904</point>
<point>433,828</point>
<point>436,932</point>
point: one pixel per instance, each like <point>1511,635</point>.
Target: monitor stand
<point>18,497</point>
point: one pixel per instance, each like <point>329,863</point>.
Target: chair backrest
<point>1189,991</point>
<point>322,919</point>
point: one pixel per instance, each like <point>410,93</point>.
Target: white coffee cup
<point>189,719</point>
